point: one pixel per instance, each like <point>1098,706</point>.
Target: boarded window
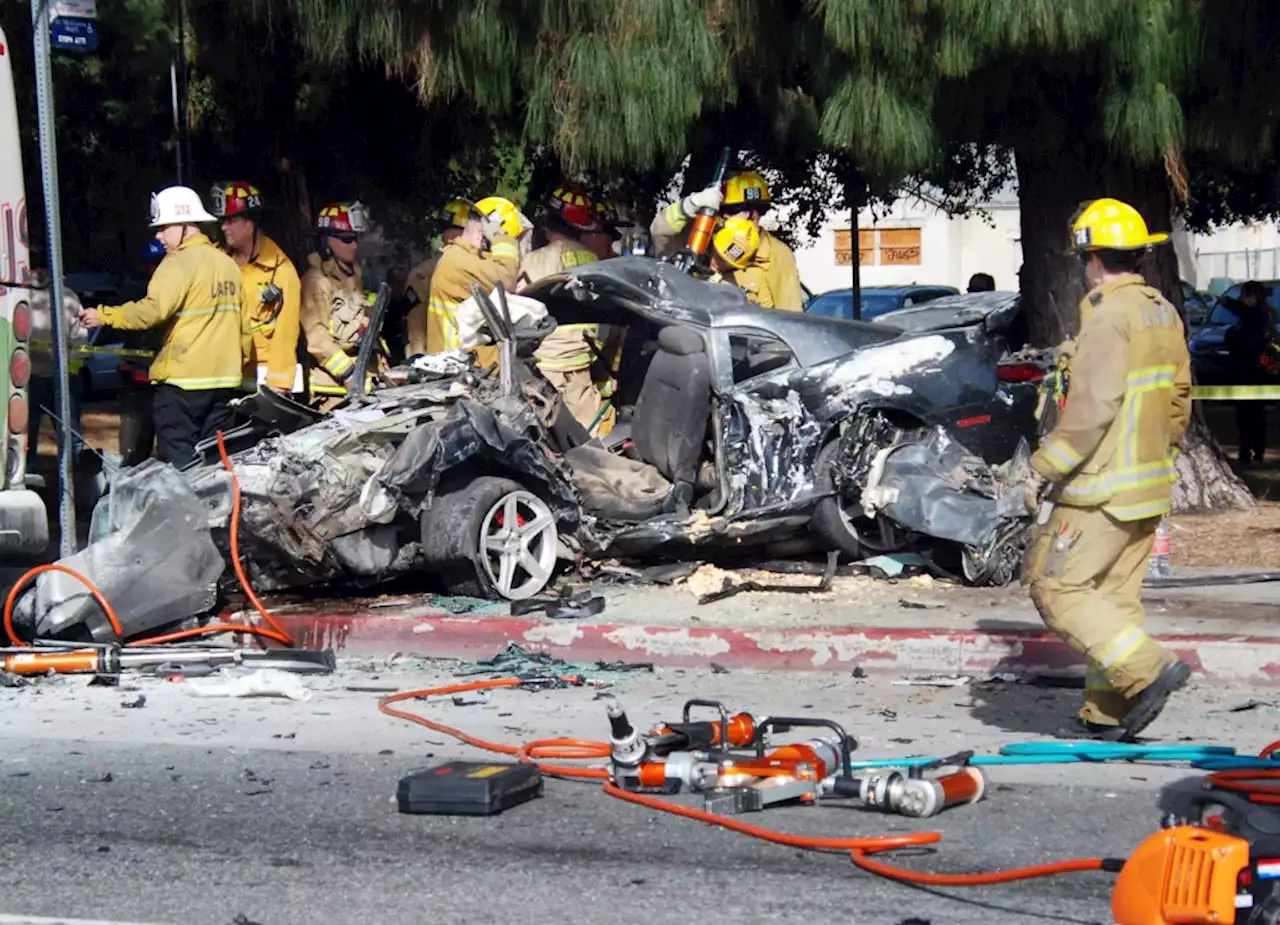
<point>886,247</point>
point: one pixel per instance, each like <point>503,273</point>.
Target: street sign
<point>69,33</point>
<point>73,9</point>
<point>71,25</point>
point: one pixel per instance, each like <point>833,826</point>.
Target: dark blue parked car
<point>876,300</point>
<point>1210,358</point>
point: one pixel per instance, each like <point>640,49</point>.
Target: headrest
<point>680,341</point>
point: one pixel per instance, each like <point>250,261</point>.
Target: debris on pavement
<point>567,605</point>
<point>265,682</point>
<point>703,582</point>
<point>136,703</point>
<point>517,662</point>
<point>936,680</point>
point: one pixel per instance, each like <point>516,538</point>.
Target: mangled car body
<point>739,426</point>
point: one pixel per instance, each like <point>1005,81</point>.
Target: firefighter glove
<point>710,198</point>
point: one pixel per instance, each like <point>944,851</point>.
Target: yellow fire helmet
<point>1109,224</point>
<point>737,242</point>
<point>454,213</point>
<point>503,211</point>
<point>747,189</point>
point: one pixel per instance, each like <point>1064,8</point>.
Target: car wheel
<point>838,520</point>
<point>491,538</point>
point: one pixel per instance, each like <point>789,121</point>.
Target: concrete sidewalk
<point>908,627</point>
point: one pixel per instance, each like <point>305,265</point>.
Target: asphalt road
<point>190,835</point>
<point>197,811</point>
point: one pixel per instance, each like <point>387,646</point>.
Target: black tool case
<point>468,788</point>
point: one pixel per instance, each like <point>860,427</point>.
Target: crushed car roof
<point>664,292</point>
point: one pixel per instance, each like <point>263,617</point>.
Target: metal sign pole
<point>53,226</point>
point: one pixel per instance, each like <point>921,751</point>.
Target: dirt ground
<point>1232,539</point>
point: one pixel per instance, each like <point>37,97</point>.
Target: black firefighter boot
<point>1148,704</point>
<point>1077,728</point>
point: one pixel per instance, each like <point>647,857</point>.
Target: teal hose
<point>1206,757</point>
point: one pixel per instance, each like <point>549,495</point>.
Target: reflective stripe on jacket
<point>460,265</point>
<point>1128,407</point>
<point>568,347</point>
<point>417,291</point>
<point>275,325</point>
<point>198,293</point>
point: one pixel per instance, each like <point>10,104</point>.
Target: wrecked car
<point>738,427</point>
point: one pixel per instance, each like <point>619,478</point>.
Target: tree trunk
<point>1051,187</point>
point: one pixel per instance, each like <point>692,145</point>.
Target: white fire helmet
<point>178,205</point>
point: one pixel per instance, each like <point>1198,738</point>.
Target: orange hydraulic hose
<point>809,842</point>
<point>30,575</point>
<point>577,749</point>
<point>861,858</point>
<point>531,752</point>
<point>275,632</point>
<point>1245,782</point>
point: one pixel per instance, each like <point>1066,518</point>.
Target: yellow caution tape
<point>1236,392</point>
<point>86,350</point>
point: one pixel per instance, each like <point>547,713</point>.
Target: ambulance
<point>24,523</point>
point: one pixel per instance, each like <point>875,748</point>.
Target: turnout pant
<point>183,419</point>
<point>582,398</point>
<point>1085,569</point>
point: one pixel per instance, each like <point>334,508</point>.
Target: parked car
<point>102,371</point>
<point>876,300</point>
<point>1196,305</point>
<point>1210,358</point>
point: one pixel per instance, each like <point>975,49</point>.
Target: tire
<point>458,523</point>
<point>855,535</point>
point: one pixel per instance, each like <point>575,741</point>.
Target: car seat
<point>670,422</point>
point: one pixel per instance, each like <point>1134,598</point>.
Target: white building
<point>915,242</point>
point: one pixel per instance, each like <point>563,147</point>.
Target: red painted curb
<point>841,648</point>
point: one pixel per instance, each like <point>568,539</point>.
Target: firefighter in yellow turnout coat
<point>271,284</point>
<point>426,330</point>
<point>197,296</point>
<point>335,307</point>
<point>770,278</point>
<point>567,356</point>
<point>1108,468</point>
<point>465,262</point>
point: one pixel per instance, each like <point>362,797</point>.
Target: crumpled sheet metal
<point>471,430</point>
<point>945,492</point>
<point>157,563</point>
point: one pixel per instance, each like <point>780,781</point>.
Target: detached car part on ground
<point>739,427</point>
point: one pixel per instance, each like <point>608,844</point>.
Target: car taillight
<point>1020,372</point>
<point>17,414</point>
<point>22,323</point>
<point>20,368</point>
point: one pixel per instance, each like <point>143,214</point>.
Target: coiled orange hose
<point>860,849</point>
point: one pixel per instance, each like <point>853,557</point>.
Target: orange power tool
<point>704,224</point>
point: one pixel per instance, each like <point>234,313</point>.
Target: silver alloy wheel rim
<point>519,538</point>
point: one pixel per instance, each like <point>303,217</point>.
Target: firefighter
<point>567,355</point>
<point>272,284</point>
<point>605,240</point>
<point>774,278</point>
<point>465,261</point>
<point>335,307</point>
<point>1108,468</point>
<point>570,214</point>
<point>197,296</point>
<point>426,332</point>
<point>732,247</point>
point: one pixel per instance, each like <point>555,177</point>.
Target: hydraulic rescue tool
<point>694,252</point>
<point>113,660</point>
